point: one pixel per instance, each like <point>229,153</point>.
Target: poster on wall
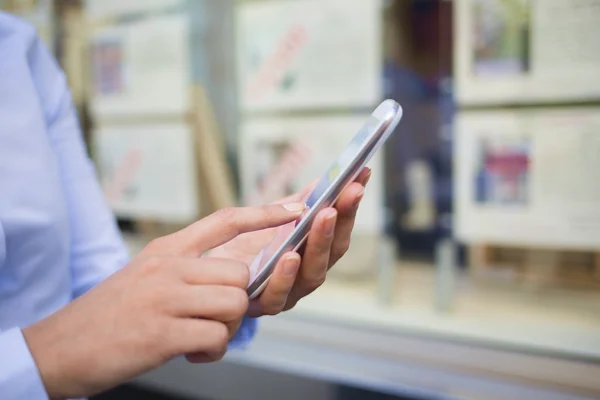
<point>501,34</point>
<point>141,67</point>
<point>528,177</point>
<point>148,171</point>
<point>281,156</point>
<point>524,51</point>
<point>502,174</point>
<point>309,54</point>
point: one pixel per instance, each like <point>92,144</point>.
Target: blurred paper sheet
<point>523,51</point>
<point>141,67</point>
<point>309,54</point>
<point>149,171</point>
<point>528,177</point>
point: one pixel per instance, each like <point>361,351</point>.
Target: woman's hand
<point>168,301</point>
<point>294,276</point>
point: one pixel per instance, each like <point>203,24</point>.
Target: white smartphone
<point>369,139</point>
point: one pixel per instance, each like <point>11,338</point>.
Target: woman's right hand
<point>168,301</point>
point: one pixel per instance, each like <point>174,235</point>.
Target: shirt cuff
<point>19,375</point>
<point>244,335</point>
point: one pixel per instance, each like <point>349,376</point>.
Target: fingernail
<point>295,207</point>
<point>330,223</point>
<point>291,265</point>
<point>359,197</point>
<point>367,178</point>
<point>215,355</point>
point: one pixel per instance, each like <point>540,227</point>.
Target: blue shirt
<point>58,238</point>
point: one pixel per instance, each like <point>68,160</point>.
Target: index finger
<point>225,224</point>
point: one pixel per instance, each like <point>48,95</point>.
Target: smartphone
<point>369,139</point>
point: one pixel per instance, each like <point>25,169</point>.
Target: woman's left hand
<point>296,276</point>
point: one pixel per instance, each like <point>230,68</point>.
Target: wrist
<point>49,359</point>
<point>19,375</point>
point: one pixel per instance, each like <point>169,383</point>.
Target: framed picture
<point>526,51</point>
<point>528,177</point>
<point>295,54</point>
<point>108,69</point>
<point>141,67</point>
<point>502,173</point>
<point>149,171</point>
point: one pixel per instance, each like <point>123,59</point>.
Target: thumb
<point>224,225</point>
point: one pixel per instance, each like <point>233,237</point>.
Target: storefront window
<point>482,218</point>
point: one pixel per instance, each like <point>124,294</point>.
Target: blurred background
<point>474,271</point>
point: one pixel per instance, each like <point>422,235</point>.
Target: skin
<point>171,301</point>
<point>295,277</point>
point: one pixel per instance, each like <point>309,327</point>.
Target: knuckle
<point>265,211</point>
<point>228,217</point>
<point>227,214</point>
<point>316,281</point>
<point>153,264</point>
<point>242,274</point>
<point>323,245</point>
<point>343,247</point>
<point>221,337</point>
<point>276,301</point>
<point>291,303</point>
<point>157,244</point>
<point>160,336</point>
<point>239,302</point>
<point>218,356</point>
<point>191,273</point>
<point>273,308</point>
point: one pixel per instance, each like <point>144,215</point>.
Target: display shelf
<point>342,354</point>
<point>529,266</point>
<point>550,321</point>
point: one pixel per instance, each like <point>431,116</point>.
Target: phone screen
<point>281,235</point>
<point>344,161</point>
<point>341,165</point>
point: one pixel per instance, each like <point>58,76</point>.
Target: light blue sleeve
<point>97,249</point>
<point>245,335</point>
<point>19,376</point>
